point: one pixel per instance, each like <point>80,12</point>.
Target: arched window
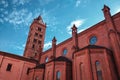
<point>82,72</point>
<point>98,70</point>
<point>36,78</point>
<point>65,52</point>
<point>46,59</point>
<point>58,75</point>
<point>48,75</point>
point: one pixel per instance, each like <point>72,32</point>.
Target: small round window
<point>65,52</point>
<point>46,60</point>
<point>93,40</point>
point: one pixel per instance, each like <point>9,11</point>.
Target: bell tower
<point>35,40</point>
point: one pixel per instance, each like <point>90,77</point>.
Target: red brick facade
<point>93,54</point>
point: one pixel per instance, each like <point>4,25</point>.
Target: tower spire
<point>74,37</point>
<point>108,18</point>
<point>39,17</point>
<point>106,7</point>
<point>35,41</point>
<point>106,11</point>
<point>39,20</point>
<point>54,46</point>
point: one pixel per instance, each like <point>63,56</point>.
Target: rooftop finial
<point>39,17</point>
<point>54,39</point>
<point>74,27</point>
<point>105,8</point>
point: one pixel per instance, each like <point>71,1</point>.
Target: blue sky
<point>17,15</point>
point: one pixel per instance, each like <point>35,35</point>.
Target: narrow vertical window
<point>65,52</point>
<point>46,59</point>
<point>40,36</point>
<point>35,40</point>
<point>35,54</point>
<point>33,46</point>
<point>48,75</point>
<point>82,72</point>
<point>9,66</point>
<point>39,42</point>
<point>39,29</point>
<point>36,78</point>
<point>58,75</point>
<point>36,34</point>
<point>98,70</point>
<point>28,71</point>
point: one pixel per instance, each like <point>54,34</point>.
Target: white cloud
<point>77,23</point>
<point>80,30</point>
<point>47,45</point>
<point>14,1</point>
<point>19,47</point>
<point>49,19</point>
<point>45,2</point>
<point>23,45</point>
<point>118,10</point>
<point>4,3</point>
<point>1,9</point>
<point>77,3</point>
<point>23,1</point>
<point>20,2</point>
<point>19,18</point>
<point>6,12</point>
<point>22,16</point>
<point>1,20</point>
<point>16,17</point>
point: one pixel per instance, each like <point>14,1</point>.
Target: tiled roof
<point>94,46</point>
<point>40,66</point>
<point>62,58</point>
<point>17,57</point>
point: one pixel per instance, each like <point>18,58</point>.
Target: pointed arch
<point>46,59</point>
<point>58,75</point>
<point>82,72</point>
<point>36,78</point>
<point>48,75</point>
<point>98,70</point>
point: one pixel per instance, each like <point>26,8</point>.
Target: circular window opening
<point>46,60</point>
<point>65,52</point>
<point>93,40</point>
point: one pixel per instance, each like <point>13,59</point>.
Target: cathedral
<point>93,54</point>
